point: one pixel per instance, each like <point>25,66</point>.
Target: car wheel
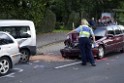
<point>5,65</point>
<point>101,52</point>
<point>24,56</point>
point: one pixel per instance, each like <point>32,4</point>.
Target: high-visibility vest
<point>85,31</point>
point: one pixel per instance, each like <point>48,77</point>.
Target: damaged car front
<point>108,39</point>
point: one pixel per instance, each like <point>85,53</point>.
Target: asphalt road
<point>108,70</point>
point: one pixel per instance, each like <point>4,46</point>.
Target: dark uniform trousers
<point>86,50</point>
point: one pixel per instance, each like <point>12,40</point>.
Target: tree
<point>36,9</point>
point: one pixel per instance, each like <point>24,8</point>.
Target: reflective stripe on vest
<point>85,32</point>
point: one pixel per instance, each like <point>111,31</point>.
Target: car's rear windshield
<point>100,31</point>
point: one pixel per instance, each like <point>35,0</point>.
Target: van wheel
<point>24,56</point>
<point>5,65</point>
<point>101,52</point>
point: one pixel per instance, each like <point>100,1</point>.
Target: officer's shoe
<point>93,64</point>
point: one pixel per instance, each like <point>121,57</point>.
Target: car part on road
<point>5,66</point>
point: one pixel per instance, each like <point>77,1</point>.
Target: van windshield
<point>17,31</point>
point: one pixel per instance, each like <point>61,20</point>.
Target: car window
<point>117,30</point>
<point>17,31</point>
<point>100,31</point>
<point>110,30</point>
<point>121,27</point>
<point>5,39</point>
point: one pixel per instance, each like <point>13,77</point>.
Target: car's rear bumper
<point>69,52</point>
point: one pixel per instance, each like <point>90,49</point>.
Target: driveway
<point>48,38</point>
<point>45,42</point>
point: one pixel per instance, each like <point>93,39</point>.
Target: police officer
<point>84,42</point>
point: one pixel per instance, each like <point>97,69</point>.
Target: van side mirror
<point>27,35</point>
<point>109,35</point>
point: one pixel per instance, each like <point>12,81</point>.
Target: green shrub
<point>73,18</point>
<point>48,22</point>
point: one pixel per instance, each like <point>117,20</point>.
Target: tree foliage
<point>63,9</point>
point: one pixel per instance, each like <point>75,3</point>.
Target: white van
<point>24,32</point>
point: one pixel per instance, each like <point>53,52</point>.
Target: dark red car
<point>109,38</point>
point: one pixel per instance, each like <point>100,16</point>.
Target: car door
<point>118,37</point>
<point>110,42</point>
<point>1,49</point>
<point>4,47</point>
<point>7,44</point>
<point>122,29</point>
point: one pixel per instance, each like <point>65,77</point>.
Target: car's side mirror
<point>110,35</point>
